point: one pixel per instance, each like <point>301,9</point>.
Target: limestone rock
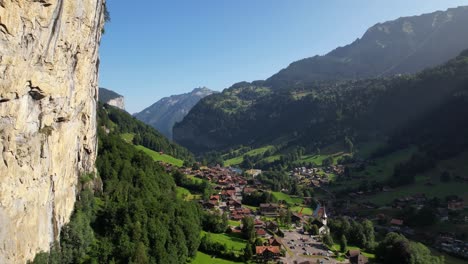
<point>110,97</point>
<point>48,91</point>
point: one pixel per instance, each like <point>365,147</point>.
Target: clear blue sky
<point>156,48</point>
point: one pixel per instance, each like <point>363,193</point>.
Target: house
<point>259,223</point>
<point>275,242</point>
<point>455,205</point>
<point>296,218</point>
<point>273,226</point>
<point>270,209</point>
<point>396,222</point>
<point>260,232</point>
<point>267,252</point>
<point>356,257</point>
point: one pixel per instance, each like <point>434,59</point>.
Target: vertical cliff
<point>48,92</point>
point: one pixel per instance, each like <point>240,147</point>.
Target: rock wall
<point>48,92</point>
<point>118,102</point>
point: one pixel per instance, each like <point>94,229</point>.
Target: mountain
<point>111,98</point>
<point>163,114</point>
<point>405,45</point>
<point>318,115</point>
<point>313,100</point>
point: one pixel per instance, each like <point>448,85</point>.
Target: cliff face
<point>48,91</point>
<point>110,97</point>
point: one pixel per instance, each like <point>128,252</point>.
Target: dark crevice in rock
<point>4,100</point>
<point>62,119</point>
<point>35,92</point>
<point>4,29</point>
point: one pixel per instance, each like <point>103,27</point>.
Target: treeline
<point>393,248</point>
<point>136,219</point>
<point>121,122</point>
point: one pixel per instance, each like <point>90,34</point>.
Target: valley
<point>358,155</point>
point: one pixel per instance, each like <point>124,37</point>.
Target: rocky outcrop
<point>48,92</point>
<point>110,97</point>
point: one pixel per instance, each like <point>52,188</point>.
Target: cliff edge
<point>48,92</point>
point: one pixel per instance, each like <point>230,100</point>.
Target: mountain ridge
<point>232,118</point>
<point>166,112</point>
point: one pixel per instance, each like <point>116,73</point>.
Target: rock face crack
<point>35,92</point>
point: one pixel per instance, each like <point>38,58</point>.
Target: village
<point>284,241</point>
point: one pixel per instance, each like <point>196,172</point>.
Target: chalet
<point>249,190</point>
<point>270,209</point>
<point>233,205</point>
<point>259,223</point>
<point>267,253</point>
<point>273,226</point>
<point>260,232</point>
<point>275,242</point>
<point>209,205</point>
<point>396,222</point>
<point>455,205</point>
<point>296,217</point>
<point>356,257</point>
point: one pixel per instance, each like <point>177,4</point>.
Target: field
<point>291,201</point>
<point>456,166</point>
<point>305,211</point>
<point>161,157</point>
<point>238,160</point>
<point>128,137</point>
<point>185,194</point>
<point>370,256</point>
<point>203,258</point>
<point>232,242</point>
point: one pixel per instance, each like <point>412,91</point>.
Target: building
<point>356,257</point>
<point>270,209</point>
<point>267,252</point>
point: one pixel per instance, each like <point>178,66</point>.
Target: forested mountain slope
<point>121,122</point>
<point>323,113</point>
<point>306,101</point>
<point>133,215</point>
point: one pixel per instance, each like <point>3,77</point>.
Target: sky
<point>156,48</point>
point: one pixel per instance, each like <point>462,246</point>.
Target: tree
<point>445,177</point>
<point>396,248</point>
<point>368,229</point>
<point>327,162</point>
<point>315,230</point>
<point>349,145</point>
<point>248,253</point>
<point>327,240</point>
<point>343,243</point>
<point>248,229</point>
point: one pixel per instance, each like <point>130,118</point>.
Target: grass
<point>305,211</point>
<point>254,152</point>
<point>161,157</point>
<point>128,137</point>
<point>370,256</point>
<point>232,242</point>
<point>234,223</point>
<point>448,259</point>
<point>203,258</point>
<point>186,195</point>
<point>456,165</point>
<point>287,198</point>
